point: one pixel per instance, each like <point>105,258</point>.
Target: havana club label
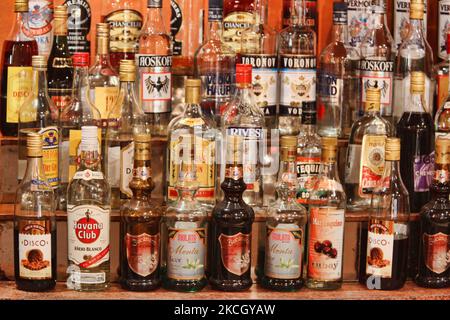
<point>436,249</point>
<point>423,172</point>
<point>125,26</point>
<point>39,26</point>
<point>79,25</point>
<point>142,253</point>
<point>283,252</point>
<point>372,163</point>
<point>50,154</point>
<point>358,20</point>
<point>235,252</point>
<point>20,86</point>
<point>444,21</point>
<point>380,248</point>
<point>401,21</point>
<point>307,173</point>
<point>233,26</point>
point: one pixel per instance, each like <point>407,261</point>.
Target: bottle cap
<point>329,149</point>
<point>127,70</point>
<point>21,6</point>
<point>289,141</point>
<point>89,138</point>
<point>154,3</point>
<point>243,73</point>
<point>442,151</point>
<point>192,91</point>
<point>34,144</point>
<point>392,149</point>
<point>60,20</point>
<point>39,62</point>
<point>417,8</point>
<point>142,146</point>
<point>373,99</point>
<point>288,148</point>
<point>80,59</point>
<point>60,12</point>
<point>102,29</point>
<point>417,82</point>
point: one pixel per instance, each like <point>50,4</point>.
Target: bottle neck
<point>40,81</point>
<point>417,103</point>
<point>17,31</point>
<point>299,13</point>
<point>80,82</point>
<point>287,177</point>
<point>90,159</point>
<point>417,30</point>
<point>186,200</point>
<point>192,110</point>
<point>142,184</point>
<point>329,170</point>
<point>35,169</point>
<point>215,30</point>
<point>155,21</point>
<point>340,33</point>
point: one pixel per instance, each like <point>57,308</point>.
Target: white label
<point>444,21</point>
<point>40,20</point>
<point>353,163</point>
<point>35,256</point>
<point>88,175</point>
<point>380,248</point>
<point>401,21</point>
<point>114,166</point>
<point>87,278</point>
<point>358,19</point>
<point>126,168</point>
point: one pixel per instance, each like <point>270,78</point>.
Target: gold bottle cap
<point>392,149</point>
<point>442,151</point>
<point>288,148</point>
<point>21,6</point>
<point>142,137</point>
<point>289,141</point>
<point>142,146</point>
<point>39,62</point>
<point>60,12</point>
<point>127,70</point>
<point>417,8</point>
<point>102,29</point>
<point>373,99</point>
<point>329,149</point>
<point>417,82</point>
<point>192,88</point>
<point>60,20</point>
<point>34,144</point>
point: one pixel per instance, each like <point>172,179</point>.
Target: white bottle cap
<point>89,138</point>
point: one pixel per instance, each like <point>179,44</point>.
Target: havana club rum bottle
<point>230,233</point>
<point>238,16</point>
<point>35,224</point>
<point>140,225</point>
<point>79,25</point>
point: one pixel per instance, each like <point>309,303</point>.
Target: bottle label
<point>436,250</point>
<point>176,22</point>
<point>155,82</point>
<point>142,253</point>
<point>39,24</point>
<point>423,172</point>
<point>401,18</point>
<point>372,163</point>
<point>358,19</point>
<point>444,21</point>
<point>88,175</point>
<point>105,100</point>
<point>20,88</point>
<point>74,153</point>
<point>380,248</point>
<point>126,169</point>
<point>35,250</point>
<point>330,89</point>
<point>265,76</point>
<point>233,26</point>
<point>352,166</point>
<point>125,26</point>
<point>217,85</point>
<point>61,99</point>
<point>283,252</point>
<point>442,90</point>
<point>307,172</point>
<point>88,235</point>
<point>50,154</point>
<point>298,83</point>
<point>326,242</point>
<point>235,252</point>
<point>79,25</point>
<point>186,254</point>
<point>378,74</point>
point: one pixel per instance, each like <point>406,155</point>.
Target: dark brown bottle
<point>434,231</point>
<point>230,235</point>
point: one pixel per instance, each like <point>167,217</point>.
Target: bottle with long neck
<point>60,66</point>
<point>79,25</point>
<point>402,19</point>
<point>16,80</point>
<point>35,116</point>
<point>442,29</point>
<point>442,79</point>
<point>442,119</point>
<point>415,129</point>
<point>35,224</point>
<point>297,61</point>
<point>140,235</point>
<point>88,220</point>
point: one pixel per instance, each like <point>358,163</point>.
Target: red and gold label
<point>380,248</point>
<point>50,150</point>
<point>142,253</point>
<point>235,252</point>
<point>307,172</point>
<point>436,249</point>
<point>372,163</point>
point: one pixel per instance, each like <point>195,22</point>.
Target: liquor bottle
<point>326,224</point>
<point>442,118</point>
<point>358,20</point>
<point>297,60</point>
<point>125,20</point>
<point>104,80</point>
<point>311,12</point>
<point>16,70</point>
<point>39,24</point>
<point>386,249</point>
<point>285,227</point>
<point>259,48</point>
<point>125,119</point>
<point>238,16</point>
<point>35,224</point>
<point>434,231</point>
<point>140,225</point>
<point>415,129</point>
<point>88,219</point>
<point>443,24</point>
<point>243,117</point>
<point>415,54</point>
<point>308,155</point>
<point>338,76</point>
<point>79,25</point>
<point>215,65</point>
<point>377,60</point>
<point>402,26</point>
<point>441,72</point>
<point>230,232</point>
<point>366,153</point>
<point>192,127</point>
<point>186,225</point>
<point>35,116</point>
<point>60,65</point>
<point>154,63</point>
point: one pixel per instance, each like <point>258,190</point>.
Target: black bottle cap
<point>340,13</point>
<point>309,113</point>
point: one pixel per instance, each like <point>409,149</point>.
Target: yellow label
<point>74,150</point>
<point>50,148</point>
<point>105,99</point>
<point>372,163</point>
<point>20,83</point>
<point>192,122</point>
<point>125,26</point>
<point>234,24</point>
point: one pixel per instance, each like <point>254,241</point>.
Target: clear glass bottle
<point>364,164</point>
<point>88,220</point>
<point>297,61</point>
<point>358,16</point>
<point>442,118</point>
<point>140,226</point>
<point>441,72</point>
<point>326,221</point>
<point>285,227</point>
<point>401,20</point>
<point>338,89</point>
<point>35,224</point>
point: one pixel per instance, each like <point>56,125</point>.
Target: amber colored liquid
<point>15,53</point>
<point>115,58</point>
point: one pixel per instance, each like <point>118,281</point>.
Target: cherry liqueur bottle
<point>79,25</point>
<point>230,232</point>
<point>60,65</point>
<point>434,231</point>
<point>285,227</point>
<point>140,225</point>
<point>88,220</point>
<point>35,224</point>
<point>326,224</point>
<point>16,82</point>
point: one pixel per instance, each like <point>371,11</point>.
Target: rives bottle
<point>79,25</point>
<point>238,16</point>
<point>40,24</point>
<point>35,225</point>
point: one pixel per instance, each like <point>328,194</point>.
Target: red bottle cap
<point>243,73</point>
<point>80,59</point>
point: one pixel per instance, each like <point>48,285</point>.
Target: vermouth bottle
<point>365,160</point>
<point>297,60</point>
<point>35,224</point>
<point>238,16</point>
<point>326,224</point>
<point>230,232</point>
<point>88,220</point>
<point>434,231</point>
<point>285,227</point>
<point>442,118</point>
<point>79,25</point>
<point>358,18</point>
<point>140,235</point>
<point>402,27</point>
<point>154,63</point>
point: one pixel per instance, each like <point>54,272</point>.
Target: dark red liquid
<point>115,58</point>
<point>14,54</point>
